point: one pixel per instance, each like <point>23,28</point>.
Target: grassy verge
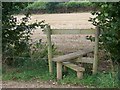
<point>38,70</point>
<point>101,80</point>
<point>32,70</point>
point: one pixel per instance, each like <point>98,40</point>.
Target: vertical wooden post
<point>48,31</point>
<point>79,74</point>
<point>59,70</point>
<point>95,63</point>
<point>0,28</point>
<point>65,69</point>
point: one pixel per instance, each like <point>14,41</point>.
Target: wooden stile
<point>67,60</point>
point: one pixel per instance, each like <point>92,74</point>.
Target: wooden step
<point>85,60</point>
<point>72,56</point>
<point>73,66</point>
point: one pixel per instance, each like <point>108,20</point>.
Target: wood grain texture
<point>59,71</point>
<point>71,31</point>
<point>73,66</point>
<point>47,28</point>
<point>95,64</point>
<point>85,60</point>
<point>80,75</point>
<point>71,56</point>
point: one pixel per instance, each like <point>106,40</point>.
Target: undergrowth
<point>38,70</point>
<point>58,7</point>
<point>101,80</point>
<point>30,71</point>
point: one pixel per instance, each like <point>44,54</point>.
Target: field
<point>65,43</point>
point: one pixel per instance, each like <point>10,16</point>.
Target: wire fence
<point>63,43</point>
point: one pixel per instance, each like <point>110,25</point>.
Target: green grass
<point>31,70</point>
<point>101,80</point>
<point>38,70</point>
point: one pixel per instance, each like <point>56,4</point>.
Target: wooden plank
<point>49,48</point>
<point>79,74</point>
<point>72,31</point>
<point>73,66</point>
<point>85,60</point>
<point>71,56</point>
<point>59,71</point>
<point>95,64</point>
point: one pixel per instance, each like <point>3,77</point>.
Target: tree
<point>15,35</point>
<point>50,6</point>
<point>107,17</point>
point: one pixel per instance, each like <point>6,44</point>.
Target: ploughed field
<point>65,43</point>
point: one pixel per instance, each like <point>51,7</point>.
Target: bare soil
<point>65,43</point>
<point>36,84</point>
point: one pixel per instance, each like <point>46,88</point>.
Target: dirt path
<point>35,84</point>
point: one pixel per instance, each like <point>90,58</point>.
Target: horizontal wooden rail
<point>71,56</point>
<point>71,31</point>
<point>85,60</point>
<point>73,66</point>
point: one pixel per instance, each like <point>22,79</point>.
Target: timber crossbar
<point>71,31</point>
<point>71,56</point>
<point>73,66</point>
<point>85,60</point>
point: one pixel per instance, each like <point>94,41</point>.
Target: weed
<point>38,70</point>
<point>101,80</point>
